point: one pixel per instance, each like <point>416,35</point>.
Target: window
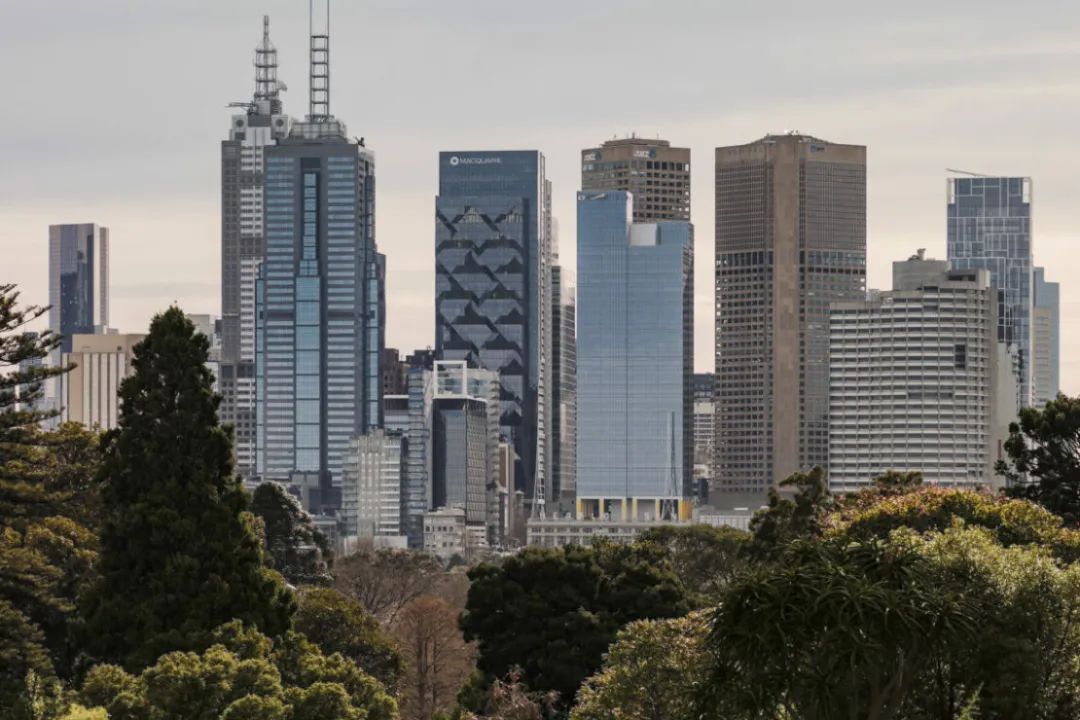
<point>961,356</point>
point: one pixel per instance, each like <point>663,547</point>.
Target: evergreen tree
<point>294,546</point>
<point>179,551</point>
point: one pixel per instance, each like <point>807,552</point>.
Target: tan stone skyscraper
<point>790,239</point>
<point>656,174</point>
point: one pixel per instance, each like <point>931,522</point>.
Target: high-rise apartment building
<point>634,360</point>
<point>1045,339</point>
<point>989,228</point>
<point>78,281</point>
<point>564,388</point>
<point>790,240</point>
<point>919,380</point>
<point>492,283</point>
<point>656,174</point>
<point>243,167</point>
<point>371,486</point>
<point>319,298</point>
<point>90,392</point>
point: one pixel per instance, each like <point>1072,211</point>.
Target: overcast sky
<point>112,112</point>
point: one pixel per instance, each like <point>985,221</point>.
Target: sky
<point>113,112</point>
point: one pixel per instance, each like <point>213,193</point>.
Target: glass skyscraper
<point>634,361</point>
<point>319,306</point>
<point>989,226</point>
<point>492,284</point>
<point>78,280</point>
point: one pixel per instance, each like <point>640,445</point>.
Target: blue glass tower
<point>320,309</point>
<point>634,361</point>
<point>492,280</point>
<point>78,280</point>
<point>989,226</point>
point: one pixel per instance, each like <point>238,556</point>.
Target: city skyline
<point>910,102</point>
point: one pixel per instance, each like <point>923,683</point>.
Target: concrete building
<point>393,372</point>
<point>635,361</point>
<point>790,240</point>
<point>919,380</point>
<point>371,486</point>
<point>704,389</point>
<point>446,533</point>
<point>320,300</point>
<point>564,389</point>
<point>1046,339</point>
<point>656,174</point>
<point>89,394</point>
<point>989,228</point>
<point>262,123</point>
<point>493,251</point>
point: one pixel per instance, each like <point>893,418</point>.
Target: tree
<point>796,510</point>
<point>438,660</point>
<point>179,551</point>
<point>554,612</point>
<point>386,580</point>
<point>1044,454</point>
<point>651,672</point>
<point>704,558</point>
<point>336,623</point>
<point>242,676</point>
<point>294,546</point>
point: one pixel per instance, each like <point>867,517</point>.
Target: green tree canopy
<point>294,546</point>
<point>180,554</point>
<point>1044,454</point>
<point>554,612</point>
<point>242,676</point>
<point>339,624</point>
<point>653,670</point>
<point>703,557</point>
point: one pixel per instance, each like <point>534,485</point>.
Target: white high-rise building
<point>89,393</point>
<point>371,487</point>
<point>919,380</point>
<point>1045,339</point>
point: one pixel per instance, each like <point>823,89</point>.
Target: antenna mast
<point>267,96</point>
<point>319,86</point>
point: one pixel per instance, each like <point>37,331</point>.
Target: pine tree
<point>179,551</point>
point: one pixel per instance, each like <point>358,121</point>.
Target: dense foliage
<point>179,551</point>
<point>554,612</point>
<point>294,546</point>
<point>1044,453</point>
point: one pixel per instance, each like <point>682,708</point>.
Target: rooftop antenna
<point>267,87</point>
<point>319,86</point>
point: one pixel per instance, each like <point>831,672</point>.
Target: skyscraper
<point>989,227</point>
<point>319,312</point>
<point>90,392</point>
<point>1046,339</point>
<point>790,239</point>
<point>919,380</point>
<point>564,388</point>
<point>78,281</point>
<point>704,430</point>
<point>492,284</point>
<point>635,362</point>
<point>656,174</point>
<point>262,124</point>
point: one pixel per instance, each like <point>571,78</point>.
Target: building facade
<point>634,361</point>
<point>790,239</point>
<point>371,486</point>
<point>492,290</point>
<point>90,392</point>
<point>262,124</point>
<point>319,305</point>
<point>919,380</point>
<point>1045,339</point>
<point>656,174</point>
<point>704,430</point>
<point>989,228</point>
<point>78,281</point>
<point>564,388</point>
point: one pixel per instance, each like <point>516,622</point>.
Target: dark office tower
<point>492,284</point>
<point>319,337</point>
<point>393,372</point>
<point>564,389</point>
<point>78,281</point>
<point>790,239</point>
<point>990,228</point>
<point>262,124</point>
<point>657,175</point>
